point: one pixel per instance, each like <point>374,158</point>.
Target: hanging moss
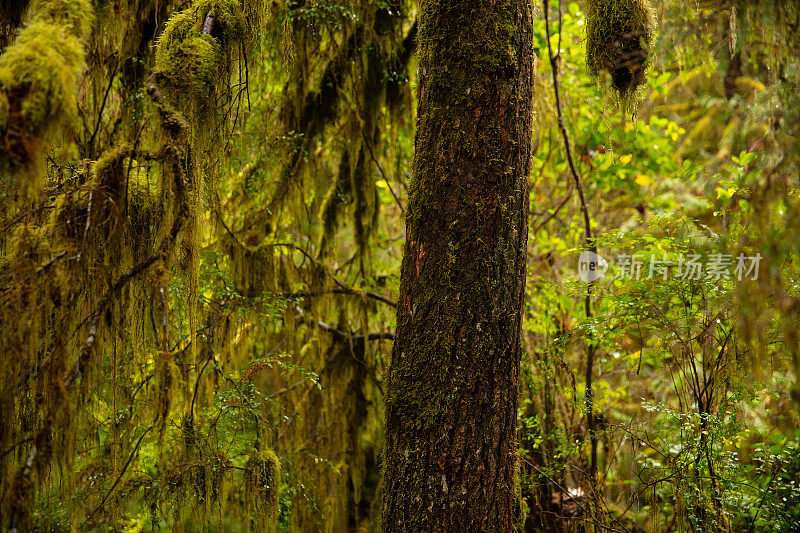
<point>146,209</point>
<point>166,380</point>
<point>74,16</point>
<point>337,198</point>
<point>262,474</point>
<point>618,38</point>
<point>251,269</point>
<point>109,170</point>
<point>149,196</point>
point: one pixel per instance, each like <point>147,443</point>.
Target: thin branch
<point>21,480</point>
<point>342,334</point>
<point>118,285</point>
<point>576,177</point>
<point>588,239</point>
<point>553,211</point>
<point>571,497</point>
<point>13,446</point>
<point>346,288</point>
<point>284,390</point>
<point>359,292</point>
<point>389,185</point>
<point>103,107</point>
<point>208,23</point>
<point>122,473</point>
<point>87,226</point>
<point>152,87</point>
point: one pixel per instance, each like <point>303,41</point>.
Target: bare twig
<point>22,480</point>
<point>571,497</point>
<point>87,225</point>
<point>208,23</point>
<point>284,390</point>
<point>359,292</point>
<point>553,211</point>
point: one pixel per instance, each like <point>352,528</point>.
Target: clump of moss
<point>39,76</point>
<point>195,65</point>
<point>191,53</point>
<point>618,38</point>
<point>38,79</point>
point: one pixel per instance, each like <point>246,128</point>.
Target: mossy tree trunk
<point>450,455</point>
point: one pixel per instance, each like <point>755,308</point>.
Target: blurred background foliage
<point>210,248</point>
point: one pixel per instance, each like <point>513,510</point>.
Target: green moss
<point>39,76</point>
<point>146,207</point>
<point>337,197</point>
<point>118,174</point>
<point>166,377</point>
<point>193,62</point>
<point>251,268</point>
<point>195,65</point>
<point>262,474</point>
<point>618,38</point>
<point>109,169</point>
<point>72,15</point>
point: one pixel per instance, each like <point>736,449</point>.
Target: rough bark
<point>450,455</point>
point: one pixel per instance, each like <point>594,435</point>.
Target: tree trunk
<point>450,456</point>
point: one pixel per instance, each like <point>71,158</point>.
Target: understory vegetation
<point>202,213</point>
